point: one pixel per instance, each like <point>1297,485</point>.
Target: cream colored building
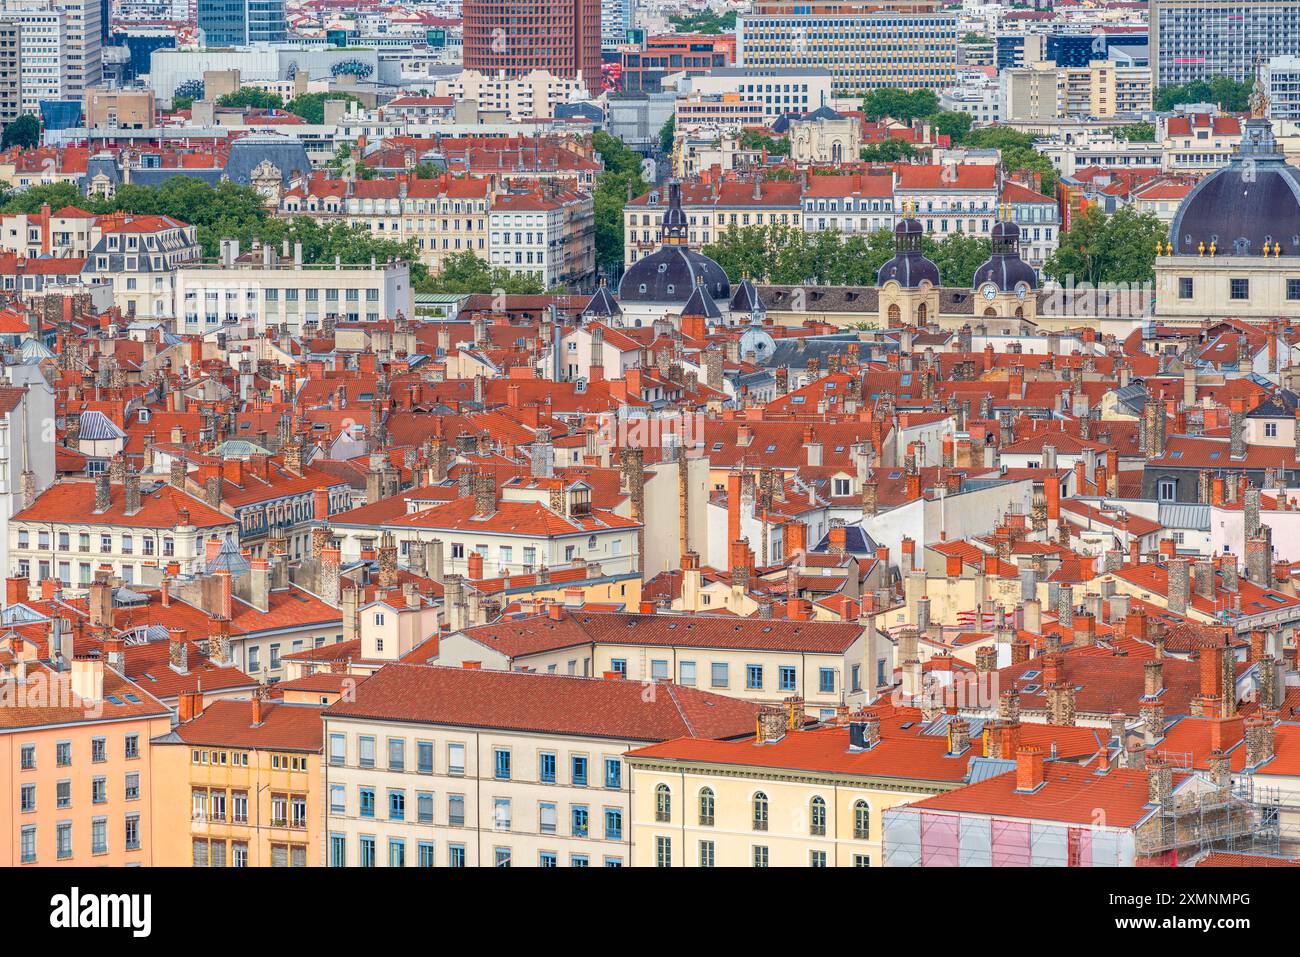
<point>1101,89</point>
<point>272,289</point>
<point>823,139</point>
<point>534,95</point>
<point>464,767</point>
<point>787,798</point>
<point>762,661</point>
<point>443,216</point>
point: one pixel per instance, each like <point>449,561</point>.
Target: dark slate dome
<point>1005,269</point>
<point>670,274</point>
<point>909,267</point>
<point>1253,200</point>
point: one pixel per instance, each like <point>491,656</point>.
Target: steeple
<point>675,227</point>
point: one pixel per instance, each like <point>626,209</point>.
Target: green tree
<point>887,151</point>
<point>311,106</point>
<point>951,123</point>
<point>251,98</point>
<point>1097,248</point>
<point>464,273</point>
<point>957,256</point>
<point>705,21</point>
<point>182,102</point>
<point>57,195</point>
<point>24,131</point>
<point>755,140</point>
<point>667,133</point>
<point>901,105</point>
<point>1229,94</point>
<point>1017,152</point>
<point>1134,132</point>
<point>620,179</point>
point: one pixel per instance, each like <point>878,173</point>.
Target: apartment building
<point>238,783</point>
<point>75,527</point>
<point>11,83</point>
<point>444,216</point>
<point>464,767</point>
<point>710,208</point>
<point>950,198</point>
<point>271,289</point>
<point>781,90</point>
<point>761,661</point>
<point>75,762</point>
<point>61,47</point>
<point>977,94</point>
<point>529,96</point>
<point>1045,91</point>
<point>545,232</point>
<point>910,45</point>
<point>138,256</point>
<point>562,38</point>
<point>510,531</point>
<point>851,203</point>
<point>1281,76</point>
<point>26,459</point>
<point>1202,39</point>
<point>1198,142</point>
<point>63,233</point>
<point>727,111</point>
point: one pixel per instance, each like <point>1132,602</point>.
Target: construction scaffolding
<point>1236,817</point>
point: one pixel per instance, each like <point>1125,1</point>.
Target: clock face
<point>1021,291</point>
<point>990,291</point>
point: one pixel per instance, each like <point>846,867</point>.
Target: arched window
<point>990,311</point>
<point>817,818</point>
<point>921,313</point>
<point>663,803</point>
<point>760,811</point>
<point>1020,312</point>
<point>862,821</point>
<point>894,313</point>
<point>706,807</point>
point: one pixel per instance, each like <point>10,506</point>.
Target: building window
<point>760,811</point>
<point>817,818</point>
<point>579,819</point>
<point>719,674</point>
<point>826,680</point>
<point>613,774</point>
<point>760,856</point>
<point>1185,287</point>
<point>787,678</point>
<point>1238,289</point>
<point>663,852</point>
<point>706,807</point>
<point>862,821</point>
<point>613,824</point>
<point>754,677</point>
<point>708,854</point>
<point>579,771</point>
<point>1166,490</point>
<point>663,803</point>
<point>502,765</point>
<point>816,858</point>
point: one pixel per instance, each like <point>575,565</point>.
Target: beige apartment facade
<point>463,767</point>
<point>1101,89</point>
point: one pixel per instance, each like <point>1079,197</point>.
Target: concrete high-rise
<point>560,36</point>
<point>1202,39</point>
<point>865,44</point>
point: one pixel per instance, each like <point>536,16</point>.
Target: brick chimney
<point>1179,584</point>
<point>485,496</point>
<point>771,724</point>
<point>177,650</point>
<point>1029,769</point>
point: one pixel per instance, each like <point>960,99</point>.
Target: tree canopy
<point>902,105</point>
<point>887,151</point>
<point>667,133</point>
<point>754,140</point>
<point>622,173</point>
<point>1097,248</point>
<point>706,21</point>
<point>24,131</point>
<point>1141,132</point>
<point>788,255</point>
<point>1229,94</point>
<point>311,106</point>
<point>466,273</point>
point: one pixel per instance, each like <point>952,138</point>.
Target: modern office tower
<point>60,50</point>
<point>1200,39</point>
<point>11,87</point>
<point>866,44</point>
<point>560,36</point>
<point>1281,77</point>
<point>232,23</point>
<point>615,20</point>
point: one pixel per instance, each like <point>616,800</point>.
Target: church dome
<point>1004,268</point>
<point>1253,201</point>
<point>909,267</point>
<point>669,275</point>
